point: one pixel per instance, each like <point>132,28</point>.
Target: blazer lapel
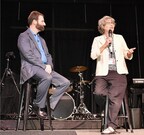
<point>102,39</point>
<point>32,39</point>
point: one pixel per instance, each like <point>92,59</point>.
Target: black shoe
<point>39,112</point>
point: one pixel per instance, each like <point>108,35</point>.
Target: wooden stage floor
<point>61,127</point>
<point>68,132</point>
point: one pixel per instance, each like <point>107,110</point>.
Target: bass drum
<point>64,108</point>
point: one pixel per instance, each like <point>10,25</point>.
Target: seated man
<point>36,62</point>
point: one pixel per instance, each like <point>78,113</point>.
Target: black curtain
<point>71,27</point>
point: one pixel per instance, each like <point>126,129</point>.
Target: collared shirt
<point>43,56</point>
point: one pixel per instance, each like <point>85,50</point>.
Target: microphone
<point>110,35</point>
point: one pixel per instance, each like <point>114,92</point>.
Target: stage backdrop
<point>70,30</point>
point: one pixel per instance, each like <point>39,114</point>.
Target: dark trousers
<point>114,85</point>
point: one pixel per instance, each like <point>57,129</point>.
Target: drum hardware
<point>77,91</point>
<point>81,112</point>
<point>85,82</point>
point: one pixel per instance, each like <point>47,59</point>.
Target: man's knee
<point>66,83</point>
<point>48,78</point>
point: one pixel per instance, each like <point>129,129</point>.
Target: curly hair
<point>102,22</point>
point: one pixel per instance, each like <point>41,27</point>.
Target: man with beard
<point>36,63</point>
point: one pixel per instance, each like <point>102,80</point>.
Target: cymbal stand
<point>82,112</point>
<point>6,73</point>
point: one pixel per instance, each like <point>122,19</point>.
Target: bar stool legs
<point>128,117</point>
<point>125,111</point>
<point>106,113</point>
<point>49,112</point>
<point>21,98</point>
<point>26,92</point>
<point>49,115</point>
<point>104,121</point>
<point>27,99</point>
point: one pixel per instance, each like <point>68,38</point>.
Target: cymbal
<point>78,69</point>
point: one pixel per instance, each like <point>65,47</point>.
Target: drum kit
<point>66,108</point>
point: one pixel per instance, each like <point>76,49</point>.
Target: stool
<point>125,111</point>
<point>26,90</point>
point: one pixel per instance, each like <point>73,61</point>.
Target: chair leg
<point>49,112</point>
<point>49,116</point>
<point>42,124</point>
<point>26,92</point>
<point>106,112</point>
<point>125,115</point>
<point>27,98</point>
<point>21,98</point>
<point>128,113</point>
<point>104,120</point>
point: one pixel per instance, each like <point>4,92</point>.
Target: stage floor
<point>68,132</point>
<point>61,127</point>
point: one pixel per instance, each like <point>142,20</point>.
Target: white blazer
<point>120,48</point>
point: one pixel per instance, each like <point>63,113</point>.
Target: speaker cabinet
<point>136,114</point>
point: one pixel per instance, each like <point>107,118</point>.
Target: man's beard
<point>40,27</point>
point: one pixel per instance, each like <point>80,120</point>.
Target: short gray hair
<point>102,23</point>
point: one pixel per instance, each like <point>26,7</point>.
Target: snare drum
<point>64,108</point>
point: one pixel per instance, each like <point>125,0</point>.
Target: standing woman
<point>110,50</point>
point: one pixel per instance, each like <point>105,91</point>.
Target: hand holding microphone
<point>108,41</point>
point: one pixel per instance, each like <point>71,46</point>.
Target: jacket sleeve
<point>28,51</point>
<point>95,50</point>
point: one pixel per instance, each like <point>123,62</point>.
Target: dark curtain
<point>71,28</point>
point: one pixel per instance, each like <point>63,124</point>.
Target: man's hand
<point>48,69</point>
